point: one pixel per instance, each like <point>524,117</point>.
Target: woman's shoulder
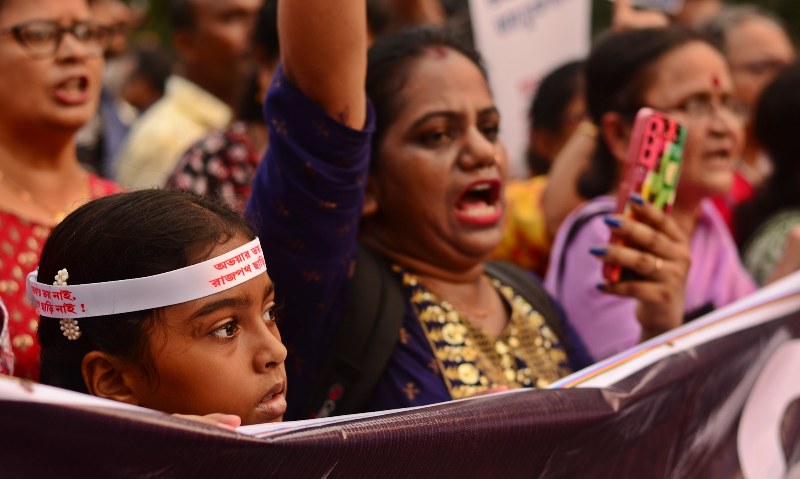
<point>589,213</point>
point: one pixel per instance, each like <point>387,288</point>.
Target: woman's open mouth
<point>73,91</point>
<point>479,204</point>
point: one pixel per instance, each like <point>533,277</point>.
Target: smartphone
<point>652,169</point>
<point>670,7</point>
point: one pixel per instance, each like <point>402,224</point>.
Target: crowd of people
<point>333,171</point>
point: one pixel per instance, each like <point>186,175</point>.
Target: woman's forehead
<point>443,77</point>
<point>690,68</point>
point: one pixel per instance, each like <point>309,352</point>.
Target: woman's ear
<point>371,196</point>
<point>108,377</point>
<point>616,133</point>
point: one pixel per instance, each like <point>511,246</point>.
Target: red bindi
<point>715,81</point>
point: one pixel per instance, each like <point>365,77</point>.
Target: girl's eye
<point>269,314</point>
<point>226,331</point>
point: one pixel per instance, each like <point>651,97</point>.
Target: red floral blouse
<point>21,244</point>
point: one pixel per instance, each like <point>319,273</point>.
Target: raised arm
<point>324,53</point>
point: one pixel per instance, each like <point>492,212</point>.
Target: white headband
<point>173,287</point>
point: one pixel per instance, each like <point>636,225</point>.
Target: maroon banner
<point>688,414</point>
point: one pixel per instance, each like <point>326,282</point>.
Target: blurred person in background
<point>769,223</point>
<point>221,165</point>
<point>211,39</point>
<point>150,67</point>
<point>757,47</point>
<point>51,56</point>
<point>555,113</point>
<point>100,139</point>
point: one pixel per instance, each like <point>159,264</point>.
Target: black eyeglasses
<point>42,37</point>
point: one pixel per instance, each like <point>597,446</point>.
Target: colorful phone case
<point>652,168</point>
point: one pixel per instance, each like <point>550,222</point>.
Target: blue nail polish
<point>598,251</point>
<point>637,199</point>
<point>601,287</point>
<point>612,222</point>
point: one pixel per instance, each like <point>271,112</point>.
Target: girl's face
<point>219,354</point>
<point>693,85</point>
<point>441,166</point>
<point>47,87</point>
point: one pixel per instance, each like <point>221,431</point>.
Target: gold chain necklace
<point>57,215</point>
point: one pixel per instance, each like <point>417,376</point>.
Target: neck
<point>470,273</point>
<point>21,155</point>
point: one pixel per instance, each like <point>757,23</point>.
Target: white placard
<point>521,41</point>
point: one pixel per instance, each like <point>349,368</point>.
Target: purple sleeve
<point>305,207</point>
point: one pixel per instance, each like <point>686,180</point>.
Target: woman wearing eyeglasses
<point>675,71</point>
<point>51,56</point>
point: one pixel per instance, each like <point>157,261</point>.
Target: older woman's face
<point>692,84</point>
<point>441,165</point>
<point>42,89</point>
<point>757,50</point>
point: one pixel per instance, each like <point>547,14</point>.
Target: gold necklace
<point>479,314</point>
<point>57,215</point>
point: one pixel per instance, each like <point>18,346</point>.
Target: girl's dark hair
<point>777,115</point>
<point>546,111</point>
<point>390,60</point>
<point>618,71</point>
<point>127,235</point>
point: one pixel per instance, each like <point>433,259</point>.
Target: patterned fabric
<point>765,249</point>
<point>305,206</point>
<point>21,244</point>
<point>526,241</point>
<point>526,354</point>
<point>607,323</point>
<point>221,165</point>
<point>159,137</point>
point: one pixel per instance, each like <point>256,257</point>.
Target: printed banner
<point>716,398</point>
<point>521,41</point>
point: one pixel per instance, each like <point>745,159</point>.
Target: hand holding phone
<point>652,169</point>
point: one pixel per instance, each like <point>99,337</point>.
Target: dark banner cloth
<point>678,417</point>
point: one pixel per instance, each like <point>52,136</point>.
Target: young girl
<point>161,299</point>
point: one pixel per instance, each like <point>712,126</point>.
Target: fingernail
<point>637,199</point>
<point>612,222</point>
<point>601,286</point>
<point>598,251</point>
